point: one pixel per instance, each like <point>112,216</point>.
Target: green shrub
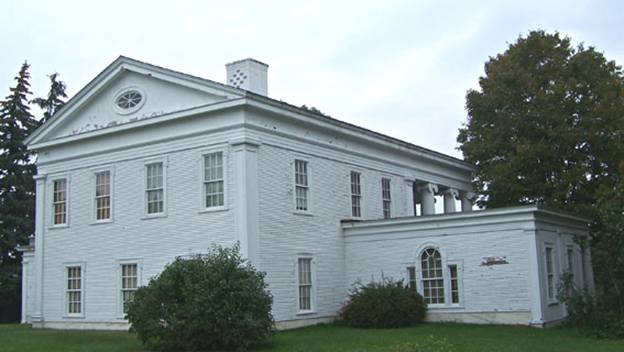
<point>209,302</point>
<point>589,312</point>
<point>385,304</point>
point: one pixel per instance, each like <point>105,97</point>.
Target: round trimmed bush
<point>385,304</point>
<point>207,302</point>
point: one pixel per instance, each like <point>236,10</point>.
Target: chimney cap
<point>247,59</point>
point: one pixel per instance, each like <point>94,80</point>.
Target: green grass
<point>331,338</point>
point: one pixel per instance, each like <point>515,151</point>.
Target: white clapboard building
<point>146,164</point>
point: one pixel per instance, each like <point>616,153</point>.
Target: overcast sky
<point>397,67</point>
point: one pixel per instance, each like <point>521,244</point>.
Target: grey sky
<point>397,67</point>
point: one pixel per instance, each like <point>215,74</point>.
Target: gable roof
<point>125,63</point>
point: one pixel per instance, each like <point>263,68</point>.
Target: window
<point>411,277</point>
<point>304,269</point>
<point>454,283</point>
<point>103,195</point>
<point>74,290</point>
<point>59,201</point>
<point>129,284</point>
<point>213,180</point>
<point>570,257</point>
<point>356,195</point>
<point>301,185</point>
<point>550,274</point>
<point>385,196</point>
<point>128,100</point>
<point>154,188</point>
<point>432,277</point>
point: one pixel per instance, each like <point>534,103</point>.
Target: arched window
<point>432,276</point>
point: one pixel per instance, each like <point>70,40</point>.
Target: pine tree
<point>55,99</point>
<point>17,206</point>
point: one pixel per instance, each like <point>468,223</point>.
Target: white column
<point>427,198</point>
<point>245,154</point>
<point>449,200</point>
<point>40,201</point>
<point>466,201</point>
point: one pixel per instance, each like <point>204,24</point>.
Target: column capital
<point>429,187</point>
<point>38,177</point>
<point>468,195</point>
<point>451,192</point>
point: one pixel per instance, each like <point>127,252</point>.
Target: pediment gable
<point>153,92</point>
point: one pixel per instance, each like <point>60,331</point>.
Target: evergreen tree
<point>16,189</point>
<point>55,99</point>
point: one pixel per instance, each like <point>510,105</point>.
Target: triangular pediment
<point>130,91</point>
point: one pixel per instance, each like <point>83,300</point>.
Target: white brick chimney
<point>248,74</point>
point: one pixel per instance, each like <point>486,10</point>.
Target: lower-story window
<point>550,273</point>
<point>304,276</point>
<point>74,290</point>
<point>129,284</point>
<point>439,284</point>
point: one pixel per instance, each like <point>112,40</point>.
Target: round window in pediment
<point>128,100</point>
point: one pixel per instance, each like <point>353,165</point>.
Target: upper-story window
<point>385,197</point>
<point>301,185</point>
<point>154,188</point>
<point>59,202</point>
<point>356,195</point>
<point>213,180</point>
<point>103,195</point>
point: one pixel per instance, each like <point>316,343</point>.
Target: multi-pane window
<point>213,180</point>
<point>570,257</point>
<point>304,268</point>
<point>454,288</point>
<point>74,290</point>
<point>356,195</point>
<point>103,195</point>
<point>411,277</point>
<point>129,284</point>
<point>154,188</point>
<point>59,201</point>
<point>385,197</point>
<point>550,273</point>
<point>432,276</point>
<point>301,185</point>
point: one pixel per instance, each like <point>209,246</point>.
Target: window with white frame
<point>102,195</point>
<point>411,277</point>
<point>59,201</point>
<point>356,195</point>
<point>385,197</point>
<point>154,188</point>
<point>129,283</point>
<point>570,259</point>
<point>550,272</point>
<point>454,283</point>
<point>301,185</point>
<point>304,272</point>
<point>432,276</point>
<point>74,290</point>
<point>213,180</point>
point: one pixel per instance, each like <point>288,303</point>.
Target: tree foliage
<point>16,188</point>
<point>213,302</point>
<point>547,127</point>
<point>55,99</point>
<point>545,124</point>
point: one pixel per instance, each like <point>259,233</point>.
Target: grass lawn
<point>330,338</point>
